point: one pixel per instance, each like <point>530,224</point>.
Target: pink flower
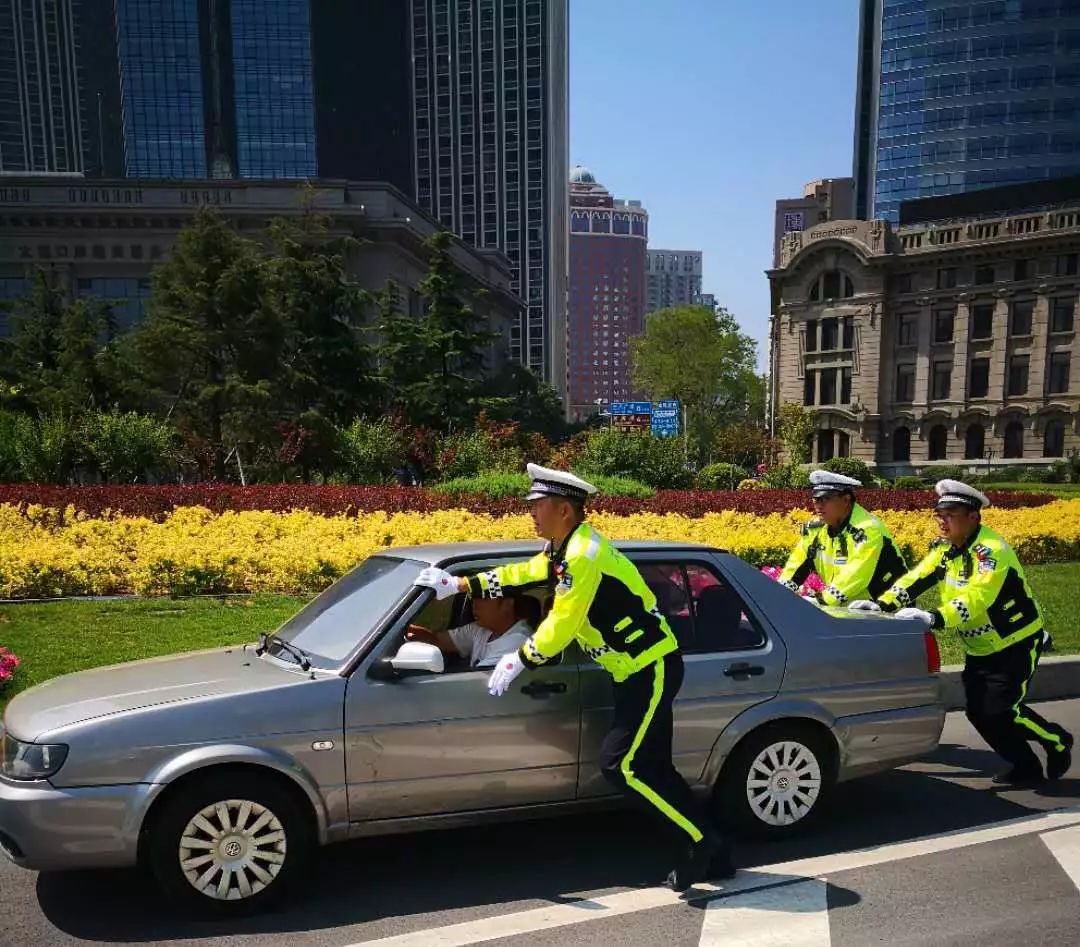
<point>812,583</point>
<point>8,663</point>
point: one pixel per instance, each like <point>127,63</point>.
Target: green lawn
<point>1067,490</point>
<point>57,638</point>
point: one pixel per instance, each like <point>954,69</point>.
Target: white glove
<point>440,580</point>
<point>864,605</point>
<point>506,670</point>
<point>916,613</point>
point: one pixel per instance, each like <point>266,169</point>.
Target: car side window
<point>704,611</point>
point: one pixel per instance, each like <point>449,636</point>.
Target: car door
<point>732,661</point>
<point>430,743</point>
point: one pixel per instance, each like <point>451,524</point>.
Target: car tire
<point>777,782</point>
<point>242,824</point>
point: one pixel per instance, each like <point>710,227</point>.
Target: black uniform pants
<point>995,686</point>
<point>635,756</point>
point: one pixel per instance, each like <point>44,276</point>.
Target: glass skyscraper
<point>273,89</point>
<point>161,88</point>
<point>953,97</point>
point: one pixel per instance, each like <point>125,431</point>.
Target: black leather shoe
<point>694,866</point>
<point>1019,778</point>
<point>722,864</point>
<point>1059,761</point>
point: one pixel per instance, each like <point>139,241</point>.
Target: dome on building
<point>581,175</point>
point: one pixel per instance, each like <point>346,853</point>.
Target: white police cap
<point>955,493</point>
<point>824,482</point>
<point>559,483</point>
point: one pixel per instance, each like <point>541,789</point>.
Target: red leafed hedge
<point>157,501</point>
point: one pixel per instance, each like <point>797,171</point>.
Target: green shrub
<point>909,483</point>
<point>475,452</point>
<point>48,448</point>
<point>945,472</point>
<point>850,467</point>
<point>999,475</point>
<point>14,428</point>
<point>371,451</point>
<point>1037,475</point>
<point>721,477</point>
<point>787,477</point>
<point>500,485</point>
<point>655,461</point>
<point>125,447</point>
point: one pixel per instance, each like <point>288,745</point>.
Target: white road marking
<point>1064,845</point>
<point>795,915</point>
<point>756,879</point>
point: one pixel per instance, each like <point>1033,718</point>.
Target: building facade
<point>490,117</point>
<point>103,239</point>
<point>958,96</point>
<point>607,293</point>
<point>952,341</point>
<point>827,199</point>
<point>40,128</point>
<point>673,278</point>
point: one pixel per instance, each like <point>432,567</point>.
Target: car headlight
<point>19,760</point>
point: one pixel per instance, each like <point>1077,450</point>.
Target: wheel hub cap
<point>232,849</point>
<point>784,783</point>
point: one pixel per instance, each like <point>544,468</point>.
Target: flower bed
<point>158,502</point>
<point>47,553</point>
<point>8,663</point>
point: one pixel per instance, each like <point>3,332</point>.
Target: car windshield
<point>332,624</point>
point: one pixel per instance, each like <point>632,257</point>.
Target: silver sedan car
<point>221,771</point>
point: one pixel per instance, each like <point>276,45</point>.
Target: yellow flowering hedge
<point>44,554</point>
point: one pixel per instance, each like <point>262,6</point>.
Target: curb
<point>1057,678</point>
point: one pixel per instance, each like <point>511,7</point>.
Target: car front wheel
<point>777,781</point>
<point>228,844</point>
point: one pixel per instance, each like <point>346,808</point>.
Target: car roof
<point>440,552</point>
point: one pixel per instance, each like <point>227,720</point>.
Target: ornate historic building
<point>949,341</point>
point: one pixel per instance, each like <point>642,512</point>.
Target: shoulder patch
<point>859,535</point>
<point>810,526</point>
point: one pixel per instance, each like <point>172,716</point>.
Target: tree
<point>796,427</point>
<point>209,349</point>
<point>516,394</point>
<point>702,359</point>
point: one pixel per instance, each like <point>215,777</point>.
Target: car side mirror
<point>418,656</point>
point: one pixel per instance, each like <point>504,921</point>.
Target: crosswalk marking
<point>1064,845</point>
<point>794,915</point>
<point>756,879</point>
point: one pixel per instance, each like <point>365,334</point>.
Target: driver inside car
<point>499,625</point>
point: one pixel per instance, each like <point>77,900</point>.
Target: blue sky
<point>708,111</point>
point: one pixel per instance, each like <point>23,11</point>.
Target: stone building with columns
<point>950,341</point>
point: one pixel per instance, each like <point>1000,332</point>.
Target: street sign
<point>665,419</point>
<point>630,407</point>
<point>631,416</point>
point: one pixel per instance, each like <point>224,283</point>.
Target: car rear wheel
<point>228,844</point>
<point>778,781</point>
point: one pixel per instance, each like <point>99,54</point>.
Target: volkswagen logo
<point>232,849</point>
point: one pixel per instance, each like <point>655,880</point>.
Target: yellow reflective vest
<point>984,594</point>
<point>601,600</point>
<point>859,561</point>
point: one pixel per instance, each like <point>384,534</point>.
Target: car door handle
<point>540,688</point>
<point>743,669</point>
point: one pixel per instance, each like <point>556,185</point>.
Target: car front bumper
<point>45,828</point>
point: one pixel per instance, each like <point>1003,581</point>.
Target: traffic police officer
<point>602,601</point>
<point>987,600</point>
<point>848,548</point>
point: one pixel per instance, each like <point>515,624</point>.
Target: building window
<point>982,321</point>
<point>1022,270</point>
<point>907,330</point>
<point>902,283</point>
<point>1022,311</point>
<point>811,335</point>
<point>942,373</point>
<point>843,444</point>
<point>1061,319</point>
<point>828,335</point>
<point>938,442</point>
<point>974,442</point>
<point>1058,382</point>
<point>1067,264</point>
<point>905,383</point>
<point>793,220</point>
<point>979,384</point>
<point>1018,375</point>
<point>845,386</point>
<point>901,446</point>
<point>849,332</point>
<point>828,386</point>
<point>946,277</point>
<point>809,387</point>
<point>1054,439</point>
<point>984,275</point>
<point>832,285</point>
<point>824,446</point>
<point>943,325</point>
<point>1014,440</point>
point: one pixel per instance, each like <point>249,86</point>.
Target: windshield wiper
<point>283,645</point>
